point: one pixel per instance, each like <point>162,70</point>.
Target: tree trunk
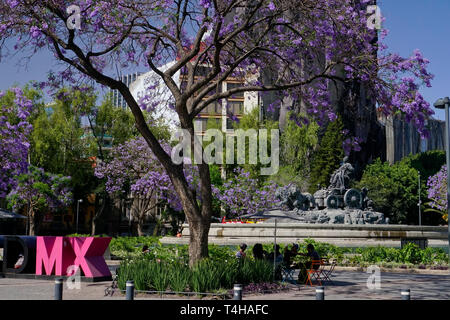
<point>31,215</point>
<point>199,218</point>
<point>140,230</point>
<point>98,211</point>
<point>93,227</point>
<point>198,240</point>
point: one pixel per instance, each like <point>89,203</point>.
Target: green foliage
<point>58,141</point>
<point>62,143</point>
<point>160,276</point>
<point>180,277</point>
<point>167,267</point>
<point>214,172</point>
<point>325,250</point>
<point>208,275</point>
<point>36,97</point>
<point>394,188</point>
<point>250,121</point>
<point>328,156</point>
<point>296,147</point>
<point>131,244</point>
<point>428,163</point>
<point>221,253</point>
<point>409,254</point>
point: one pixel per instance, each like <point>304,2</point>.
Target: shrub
<point>160,275</point>
<point>179,277</point>
<point>131,244</point>
<point>394,188</point>
<point>328,156</point>
<point>205,276</point>
<point>409,254</point>
<point>208,275</point>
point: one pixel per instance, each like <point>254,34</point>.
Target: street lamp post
<point>78,209</point>
<point>420,202</point>
<point>444,104</point>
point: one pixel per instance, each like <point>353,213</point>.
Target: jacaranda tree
<point>38,191</point>
<point>14,139</point>
<point>300,46</point>
<point>437,192</point>
<point>242,194</point>
<point>134,172</point>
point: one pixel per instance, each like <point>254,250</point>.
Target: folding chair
<point>327,270</point>
<point>314,274</point>
<point>287,275</point>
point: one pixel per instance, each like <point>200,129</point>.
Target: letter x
<point>89,255</point>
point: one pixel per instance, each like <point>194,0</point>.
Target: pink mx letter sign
<point>62,252</point>
<point>89,255</point>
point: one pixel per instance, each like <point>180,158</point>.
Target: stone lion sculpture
<point>291,198</point>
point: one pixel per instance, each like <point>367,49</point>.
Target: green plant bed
<point>207,276</point>
<point>166,267</point>
<point>127,248</point>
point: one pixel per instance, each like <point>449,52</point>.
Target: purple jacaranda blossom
<point>37,190</point>
<point>242,194</point>
<point>134,170</point>
<point>14,142</point>
<point>437,191</point>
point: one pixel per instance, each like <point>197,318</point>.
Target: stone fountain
<point>336,204</point>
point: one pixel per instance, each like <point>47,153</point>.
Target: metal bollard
<point>406,294</point>
<point>130,290</point>
<point>59,288</point>
<point>237,295</point>
<point>320,293</point>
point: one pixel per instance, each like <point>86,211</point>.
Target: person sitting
<point>289,255</point>
<point>314,256</point>
<point>241,253</point>
<point>145,249</point>
<point>278,256</point>
<point>258,252</point>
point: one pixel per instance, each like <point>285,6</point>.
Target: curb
<point>396,270</point>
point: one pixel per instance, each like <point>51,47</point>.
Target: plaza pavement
<point>348,285</point>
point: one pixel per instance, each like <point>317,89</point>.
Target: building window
<point>233,85</point>
<point>235,107</point>
<point>230,123</point>
<point>200,124</point>
<point>212,109</point>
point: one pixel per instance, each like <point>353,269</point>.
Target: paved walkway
<point>348,285</point>
<point>352,285</point>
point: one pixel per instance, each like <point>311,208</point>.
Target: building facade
<point>403,139</point>
<point>220,113</point>
<point>116,97</point>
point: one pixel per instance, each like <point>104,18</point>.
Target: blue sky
<point>424,25</point>
<point>413,24</point>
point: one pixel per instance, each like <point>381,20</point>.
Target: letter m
<point>49,252</point>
